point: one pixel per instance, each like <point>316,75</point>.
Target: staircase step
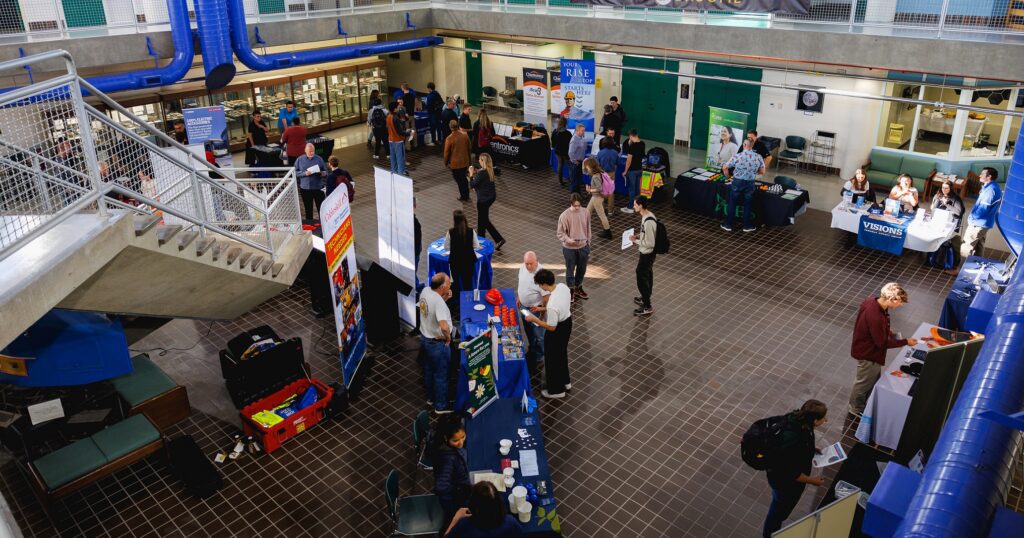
<point>276,269</point>
<point>143,223</point>
<point>219,249</point>
<point>255,263</point>
<point>186,238</point>
<point>233,254</point>
<point>204,244</point>
<point>165,232</point>
<point>265,268</point>
<point>244,258</point>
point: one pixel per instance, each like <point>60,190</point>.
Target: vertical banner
<point>396,240</point>
<point>480,373</point>
<point>578,94</point>
<point>340,250</point>
<point>556,93</point>
<point>535,95</point>
<point>725,135</point>
<point>209,124</point>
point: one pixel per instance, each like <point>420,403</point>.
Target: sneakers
<point>376,157</point>
<point>639,301</point>
<point>498,245</point>
<point>568,386</point>
<point>726,228</point>
<point>751,229</point>
<point>605,234</point>
<point>610,215</point>
<point>431,144</point>
<point>581,294</point>
<point>627,210</point>
<point>547,394</point>
<point>643,311</point>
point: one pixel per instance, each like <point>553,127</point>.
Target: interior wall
<point>416,73</point>
<point>610,83</point>
<point>450,69</point>
<point>684,105</point>
<point>496,68</point>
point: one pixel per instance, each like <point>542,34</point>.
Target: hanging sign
<point>556,93</point>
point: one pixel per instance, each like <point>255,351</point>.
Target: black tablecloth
<point>709,198</point>
<point>531,153</point>
<point>860,469</point>
<point>267,156</point>
<point>324,146</point>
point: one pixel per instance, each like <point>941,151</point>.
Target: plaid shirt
<point>745,164</point>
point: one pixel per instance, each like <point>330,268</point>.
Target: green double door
<point>82,13</point>
<point>728,95</point>
<point>649,98</point>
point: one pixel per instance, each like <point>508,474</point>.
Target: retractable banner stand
<point>556,93</point>
<point>725,135</point>
<point>535,95</point>
<point>578,94</point>
<point>800,7</point>
<point>340,250</point>
<point>396,246</point>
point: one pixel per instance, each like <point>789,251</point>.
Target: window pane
<point>898,118</point>
<point>935,127</point>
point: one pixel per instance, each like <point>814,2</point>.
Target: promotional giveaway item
<point>336,218</point>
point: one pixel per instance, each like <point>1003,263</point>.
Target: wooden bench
<point>149,391</point>
<point>85,461</point>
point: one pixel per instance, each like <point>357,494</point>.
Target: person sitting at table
<point>461,242</point>
<point>858,187</point>
<point>485,517</point>
<point>949,200</point>
<point>451,465</point>
<point>556,339</point>
<point>905,192</point>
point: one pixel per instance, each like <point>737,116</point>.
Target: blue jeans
<point>633,185</point>
<point>744,188</point>
<point>784,500</point>
<point>575,176</point>
<point>397,157</point>
<point>535,335</point>
<point>575,265</point>
<point>436,356</point>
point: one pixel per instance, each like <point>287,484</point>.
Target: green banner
<point>725,135</point>
<point>480,373</point>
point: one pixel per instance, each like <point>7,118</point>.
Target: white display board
<point>396,247</point>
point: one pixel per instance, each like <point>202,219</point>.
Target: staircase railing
<point>60,155</point>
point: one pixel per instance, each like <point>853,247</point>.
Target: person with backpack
<point>434,105</point>
<point>378,119</point>
<point>652,232</point>
<point>336,177</point>
<point>601,185</point>
<point>787,444</point>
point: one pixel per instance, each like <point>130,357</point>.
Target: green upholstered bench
<point>883,168</point>
<point>148,391</point>
<point>87,460</point>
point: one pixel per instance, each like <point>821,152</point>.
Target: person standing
<point>608,159</point>
<point>577,152</point>
<point>287,116</point>
<point>612,120</point>
<point>435,337</point>
<point>448,115</point>
<point>574,233</point>
<point>790,470</point>
<point>483,184</point>
<point>370,134</point>
<point>294,140</point>
<point>872,337</point>
<point>558,326</point>
<point>457,153</point>
<point>408,98</point>
<point>560,143</point>
<point>434,105</point>
<point>466,120</point>
<point>599,179</point>
<point>256,135</point>
<point>645,265</point>
<point>760,147</point>
<point>311,171</point>
<point>179,133</point>
<point>339,177</point>
<point>982,216</point>
<point>378,120</point>
<point>743,168</point>
<point>620,117</point>
<point>635,151</point>
<point>530,299</point>
<point>484,130</point>
<point>461,243</point>
<point>397,135</point>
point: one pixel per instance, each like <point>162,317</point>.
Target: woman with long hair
<point>906,193</point>
<point>483,184</point>
<point>789,471</point>
<point>858,186</point>
<point>484,130</point>
<point>727,146</point>
<point>949,200</point>
<point>461,242</point>
<point>485,516</point>
<point>451,465</point>
<point>598,178</point>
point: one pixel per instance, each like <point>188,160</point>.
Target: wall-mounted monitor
<point>810,100</point>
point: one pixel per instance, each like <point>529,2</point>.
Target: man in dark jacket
<point>790,468</point>
<point>872,337</point>
<point>560,140</point>
<point>448,115</point>
<point>434,105</point>
<point>616,119</point>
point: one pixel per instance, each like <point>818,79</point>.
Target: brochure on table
<point>480,373</point>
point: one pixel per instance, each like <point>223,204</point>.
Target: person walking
<point>370,133</point>
<point>635,151</point>
<point>483,184</point>
<point>600,183</point>
<point>311,171</point>
<point>645,265</point>
<point>560,143</point>
<point>256,135</point>
<point>294,141</point>
<point>790,470</point>
<point>378,120</point>
<point>558,326</point>
<point>620,119</point>
<point>608,159</point>
<point>872,337</point>
<point>982,216</point>
<point>397,135</point>
<point>530,299</point>
<point>461,242</point>
<point>434,105</point>
<point>435,337</point>
<point>577,152</point>
<point>457,153</point>
<point>743,168</point>
<point>574,233</point>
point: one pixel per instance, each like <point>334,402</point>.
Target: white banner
<point>396,248</point>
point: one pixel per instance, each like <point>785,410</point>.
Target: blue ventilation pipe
<point>281,60</point>
<point>212,22</point>
<point>968,472</point>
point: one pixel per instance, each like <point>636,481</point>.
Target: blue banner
<point>206,123</point>
<point>577,82</point>
<point>881,235</point>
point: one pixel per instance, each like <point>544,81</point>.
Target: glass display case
<point>237,102</point>
<point>190,96</point>
<point>343,95</point>
<point>145,107</point>
<point>310,93</point>
<point>270,96</point>
<point>371,77</point>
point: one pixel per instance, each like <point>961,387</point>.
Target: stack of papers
<point>830,455</point>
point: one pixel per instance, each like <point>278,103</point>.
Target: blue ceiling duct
<point>281,60</point>
<point>212,22</point>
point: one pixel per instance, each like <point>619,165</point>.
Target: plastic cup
<point>504,450</point>
<point>519,493</point>
<point>525,512</point>
<point>510,481</point>
<point>512,509</point>
<point>508,471</point>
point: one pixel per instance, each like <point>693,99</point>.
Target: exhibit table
<point>531,153</point>
<point>939,123</point>
<point>504,419</point>
<point>437,262</point>
<point>324,146</point>
<point>710,198</point>
<point>267,156</point>
<point>513,375</point>
<point>920,235</point>
<point>887,407</point>
<point>965,295</point>
<point>422,124</point>
<point>620,171</point>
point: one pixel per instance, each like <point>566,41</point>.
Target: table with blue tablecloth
<point>504,419</point>
<point>422,124</point>
<point>965,297</point>
<point>437,262</point>
<point>620,171</point>
<point>513,374</point>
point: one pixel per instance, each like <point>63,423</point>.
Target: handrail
<point>45,159</point>
<point>59,217</point>
<point>29,170</point>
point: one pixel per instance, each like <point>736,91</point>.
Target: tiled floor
<point>746,325</point>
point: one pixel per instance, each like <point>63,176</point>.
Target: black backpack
<point>378,118</point>
<point>661,243</point>
<point>761,442</point>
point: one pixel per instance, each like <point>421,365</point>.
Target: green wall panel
<point>733,96</point>
<point>79,13</point>
<point>474,73</point>
<point>649,98</point>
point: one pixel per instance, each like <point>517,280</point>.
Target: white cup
<point>503,450</point>
<point>525,512</point>
<point>512,509</point>
<point>510,481</point>
<point>508,472</point>
<point>519,492</point>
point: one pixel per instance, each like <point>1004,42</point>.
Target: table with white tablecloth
<point>889,403</point>
<point>938,123</point>
<point>921,236</point>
